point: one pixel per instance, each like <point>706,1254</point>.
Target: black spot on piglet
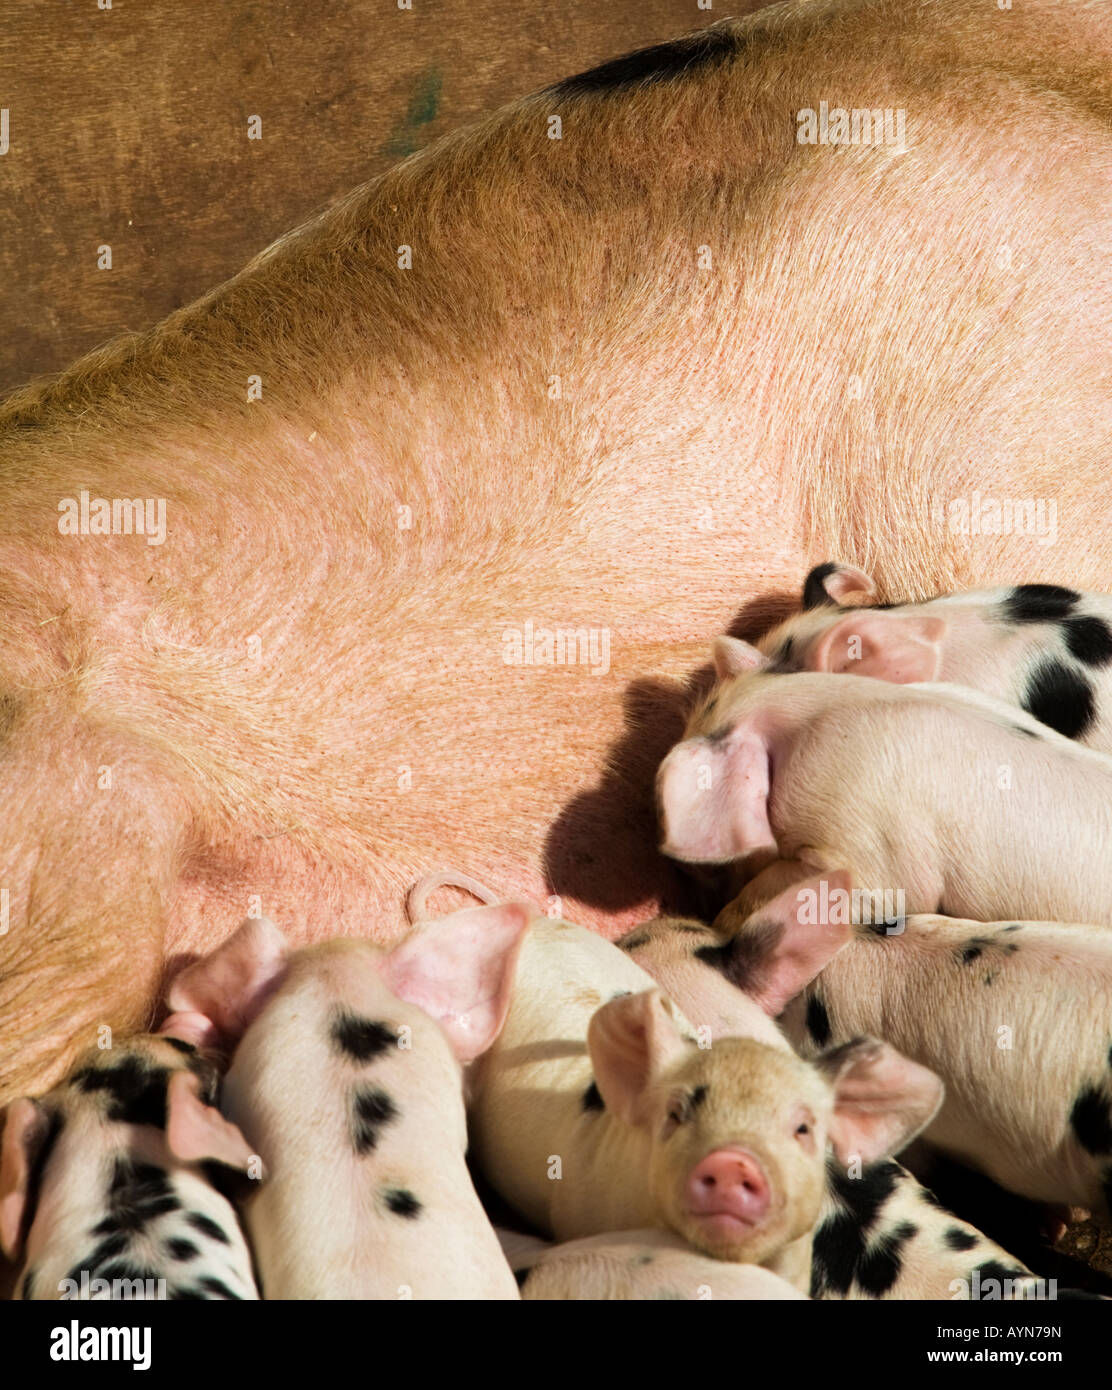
<point>1039,603</point>
<point>138,1192</point>
<point>841,1240</point>
<point>1089,640</point>
<point>371,1110</point>
<point>1061,698</point>
<point>883,1264</point>
<point>216,1288</point>
<point>716,957</point>
<point>207,1227</point>
<point>592,1098</point>
<point>1091,1120</point>
<point>402,1202</point>
<point>231,1182</point>
<point>361,1039</point>
<point>814,587</point>
<point>137,1092</point>
<point>957,1239</point>
<point>107,1249</point>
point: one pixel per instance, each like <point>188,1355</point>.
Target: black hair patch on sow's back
<point>664,62</point>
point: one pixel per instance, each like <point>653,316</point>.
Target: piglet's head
<point>150,1098</point>
<point>684,958</point>
<point>739,1132</point>
<point>838,633</point>
<point>458,969</point>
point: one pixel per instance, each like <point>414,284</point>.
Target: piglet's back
<point>354,1099</point>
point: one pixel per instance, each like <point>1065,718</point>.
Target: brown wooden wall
<point>129,126</point>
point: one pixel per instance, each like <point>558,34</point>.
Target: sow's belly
<point>546,792</point>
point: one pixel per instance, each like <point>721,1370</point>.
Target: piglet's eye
<point>804,1129</point>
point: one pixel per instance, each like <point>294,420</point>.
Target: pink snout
<point>727,1188</point>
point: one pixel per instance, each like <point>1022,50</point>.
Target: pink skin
<point>301,697</point>
<point>968,638</point>
<point>873,644</point>
<point>317,1230</point>
<point>728,1189</point>
<point>927,811</point>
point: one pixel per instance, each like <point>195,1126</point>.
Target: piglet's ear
<point>780,949</point>
<point>460,970</point>
<point>26,1125</point>
<point>832,583</point>
<point>196,1132</point>
<point>882,1099</point>
<point>213,1001</point>
<point>632,1040</point>
<point>733,657</point>
<point>885,646</point>
<point>713,799</point>
<point>192,1028</point>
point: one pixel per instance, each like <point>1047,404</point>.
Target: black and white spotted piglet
<point>348,1080</point>
<point>880,1234</point>
<point>1016,1017</point>
<point>113,1184</point>
<point>1044,648</point>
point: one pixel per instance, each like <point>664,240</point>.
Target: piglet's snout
<point>729,1184</point>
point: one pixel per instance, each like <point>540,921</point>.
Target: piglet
<point>116,1183</point>
<point>347,1078</point>
<point>881,1234</point>
<point>960,803</point>
<point>596,1110</point>
<point>1041,647</point>
<point>1016,1017</point>
<point>635,1265</point>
